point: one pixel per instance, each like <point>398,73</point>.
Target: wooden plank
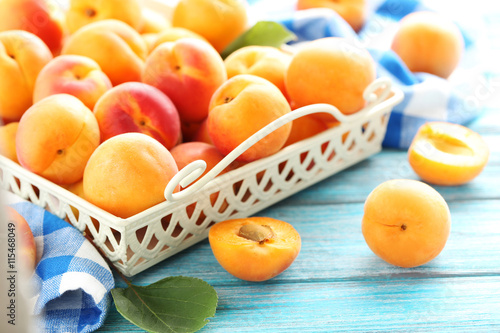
<point>386,304</point>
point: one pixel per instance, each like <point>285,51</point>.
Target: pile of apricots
<point>109,99</point>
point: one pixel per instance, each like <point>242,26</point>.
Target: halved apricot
<point>443,153</point>
<point>254,248</point>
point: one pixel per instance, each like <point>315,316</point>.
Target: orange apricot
<point>406,222</point>
<point>330,70</point>
<point>429,42</point>
<point>8,141</point>
<point>128,173</point>
<point>447,154</point>
<point>56,137</point>
<point>254,248</point>
<point>219,21</point>
<point>267,62</point>
<point>241,106</point>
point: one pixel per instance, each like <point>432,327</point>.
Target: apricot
<point>429,42</point>
<point>188,152</point>
<point>43,18</point>
<point>241,106</point>
<point>138,107</point>
<point>254,248</point>
<point>83,12</point>
<point>305,127</point>
<point>26,246</point>
<point>218,21</point>
<point>8,141</point>
<point>406,222</point>
<point>99,40</point>
<point>447,154</point>
<point>56,137</point>
<point>201,134</point>
<point>330,70</point>
<point>353,12</point>
<point>188,71</point>
<point>22,57</point>
<point>267,62</point>
<point>74,75</point>
<point>128,173</point>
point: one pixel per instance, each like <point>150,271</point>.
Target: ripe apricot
<point>128,173</point>
<point>8,141</point>
<point>267,62</point>
<point>330,70</point>
<point>254,248</point>
<point>429,42</point>
<point>406,222</point>
<point>240,107</point>
<point>56,137</point>
<point>219,21</point>
<point>447,154</point>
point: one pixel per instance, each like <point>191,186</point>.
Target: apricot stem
<point>90,12</point>
<point>256,232</point>
<point>403,226</point>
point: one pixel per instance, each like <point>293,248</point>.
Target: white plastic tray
<point>141,241</point>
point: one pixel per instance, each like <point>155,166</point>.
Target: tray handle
<point>375,93</point>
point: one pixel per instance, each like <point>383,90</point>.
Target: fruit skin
<point>447,154</point>
<point>429,42</point>
<point>83,12</point>
<point>406,222</point>
<point>138,107</point>
<point>219,21</point>
<point>353,11</point>
<point>250,260</point>
<point>43,18</point>
<point>188,71</point>
<point>56,137</point>
<point>26,246</point>
<point>22,57</point>
<point>74,75</point>
<point>267,62</point>
<point>188,152</point>
<point>128,174</point>
<point>152,21</point>
<point>101,39</point>
<point>242,106</point>
<point>171,34</point>
<point>305,127</point>
<point>330,70</point>
<point>8,141</point>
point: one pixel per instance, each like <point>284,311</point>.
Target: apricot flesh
<point>254,248</point>
<point>447,154</point>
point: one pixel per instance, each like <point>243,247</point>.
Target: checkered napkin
<point>72,281</point>
<point>427,97</point>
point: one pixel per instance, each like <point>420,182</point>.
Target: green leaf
<point>264,33</point>
<point>174,304</point>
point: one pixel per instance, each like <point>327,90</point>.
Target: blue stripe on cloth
<point>393,135</point>
<point>67,287</point>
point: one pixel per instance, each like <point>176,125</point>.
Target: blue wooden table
<point>338,284</point>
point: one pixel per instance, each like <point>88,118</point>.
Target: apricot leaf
<point>264,33</point>
<point>173,304</point>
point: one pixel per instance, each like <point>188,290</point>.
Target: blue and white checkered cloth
<point>427,97</point>
<point>72,282</point>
